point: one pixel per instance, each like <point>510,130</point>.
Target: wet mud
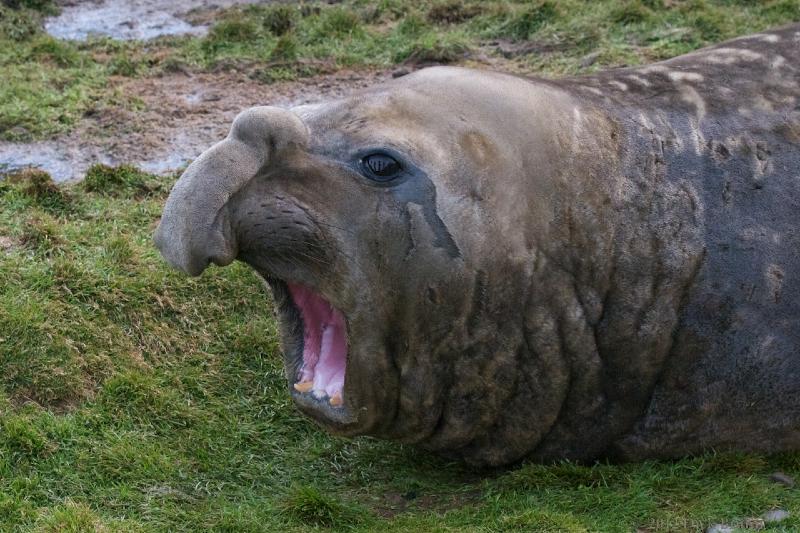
<point>177,117</point>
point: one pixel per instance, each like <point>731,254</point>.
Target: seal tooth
<point>303,386</point>
<point>336,400</point>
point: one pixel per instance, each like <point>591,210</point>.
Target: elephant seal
<point>498,268</point>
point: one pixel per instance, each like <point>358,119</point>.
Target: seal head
<point>373,220</point>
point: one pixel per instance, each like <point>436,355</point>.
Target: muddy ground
<point>175,118</point>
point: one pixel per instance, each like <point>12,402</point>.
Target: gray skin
<point>596,267</point>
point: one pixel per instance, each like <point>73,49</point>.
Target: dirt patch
<point>162,123</point>
<point>511,49</point>
<point>395,503</point>
<point>6,243</point>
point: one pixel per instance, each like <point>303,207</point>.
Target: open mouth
<point>321,372</point>
<point>315,345</point>
<point>314,335</point>
<point>318,352</point>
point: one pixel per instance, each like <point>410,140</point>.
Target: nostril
<point>222,255</point>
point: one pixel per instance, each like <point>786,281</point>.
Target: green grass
<point>133,398</point>
<point>49,84</point>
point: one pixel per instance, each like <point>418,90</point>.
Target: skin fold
<point>596,267</point>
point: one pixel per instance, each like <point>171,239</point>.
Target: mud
<point>134,19</point>
<point>175,118</point>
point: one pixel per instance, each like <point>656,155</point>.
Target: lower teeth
<point>303,386</point>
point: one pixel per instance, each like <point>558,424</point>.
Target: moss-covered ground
<point>133,398</point>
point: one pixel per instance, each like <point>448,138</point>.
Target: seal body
<point>723,125</point>
<point>497,268</point>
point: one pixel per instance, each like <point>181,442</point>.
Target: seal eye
<point>381,167</point>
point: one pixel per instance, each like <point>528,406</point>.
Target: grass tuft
<point>452,12</point>
<point>735,463</point>
<point>630,12</point>
<point>124,65</point>
<point>309,506</point>
<point>71,517</point>
<point>432,49</point>
<point>61,53</point>
<point>524,24</point>
<point>41,235</point>
<point>280,19</point>
<point>47,7</point>
<point>18,25</point>
<point>39,186</point>
<point>138,397</point>
<point>412,26</point>
<point>542,520</point>
<point>565,474</point>
<point>235,29</point>
<point>124,180</point>
<point>286,48</point>
<point>338,22</point>
<point>782,10</point>
<point>21,439</point>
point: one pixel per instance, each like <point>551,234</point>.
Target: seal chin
<point>316,354</point>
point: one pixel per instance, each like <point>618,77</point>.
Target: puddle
<point>65,161</point>
<point>43,155</point>
<point>128,20</point>
<point>181,116</point>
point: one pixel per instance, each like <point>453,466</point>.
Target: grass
<point>134,399</point>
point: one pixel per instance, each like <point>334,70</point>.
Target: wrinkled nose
<point>196,226</point>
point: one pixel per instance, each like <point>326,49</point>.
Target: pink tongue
<point>324,342</point>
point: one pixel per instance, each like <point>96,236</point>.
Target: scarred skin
<point>596,267</point>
